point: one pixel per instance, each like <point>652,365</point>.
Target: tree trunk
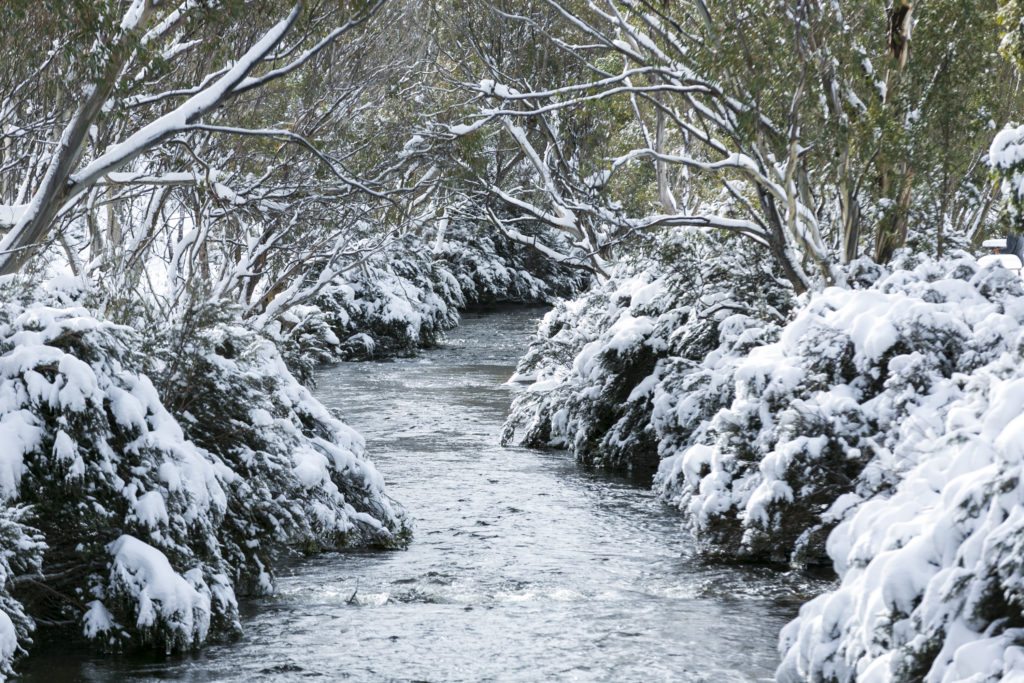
<point>780,250</point>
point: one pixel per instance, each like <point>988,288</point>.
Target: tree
<point>238,161</point>
<point>780,122</point>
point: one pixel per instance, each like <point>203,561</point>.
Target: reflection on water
<point>523,567</point>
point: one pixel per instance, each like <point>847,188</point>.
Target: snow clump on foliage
<point>146,481</point>
<point>932,566</point>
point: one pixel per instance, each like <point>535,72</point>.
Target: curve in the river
<point>523,567</point>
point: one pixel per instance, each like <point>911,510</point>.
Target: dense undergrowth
<point>607,368</point>
<point>405,298</point>
<point>149,481</point>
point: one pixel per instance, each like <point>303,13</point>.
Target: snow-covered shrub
<point>306,338</point>
<point>490,268</point>
<point>406,297</point>
<point>821,418</point>
<point>134,508</point>
<point>402,307</point>
<point>298,477</point>
<point>92,450</point>
<point>628,369</point>
<point>398,301</point>
<point>767,432</point>
<point>932,577</point>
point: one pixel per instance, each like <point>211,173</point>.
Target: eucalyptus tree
<point>794,125</point>
<point>190,151</point>
<point>178,155</point>
<point>521,174</point>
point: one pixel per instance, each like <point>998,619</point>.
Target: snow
<point>8,638</point>
<point>151,510</point>
<point>1008,261</point>
<point>1007,151</point>
<point>64,447</point>
<point>97,620</point>
<point>133,15</point>
<point>869,318</point>
<point>625,333</point>
<point>490,87</point>
<point>466,128</point>
<point>11,214</point>
<point>19,434</point>
<point>161,594</point>
<point>311,467</point>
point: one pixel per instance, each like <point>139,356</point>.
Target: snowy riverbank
<point>524,567</point>
<point>873,429</point>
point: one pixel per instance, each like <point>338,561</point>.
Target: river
<point>523,566</point>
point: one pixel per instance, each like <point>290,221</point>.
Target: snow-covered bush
<point>146,478</point>
<point>405,298</point>
<point>298,475</point>
<point>386,308</point>
<point>932,576</point>
<point>1006,158</point>
<point>821,418</point>
<point>490,268</point>
<point>628,370</point>
<point>90,447</point>
<point>878,429</point>
<point>766,431</point>
<point>306,336</point>
<point>402,307</point>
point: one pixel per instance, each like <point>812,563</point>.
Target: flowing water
<point>523,567</point>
